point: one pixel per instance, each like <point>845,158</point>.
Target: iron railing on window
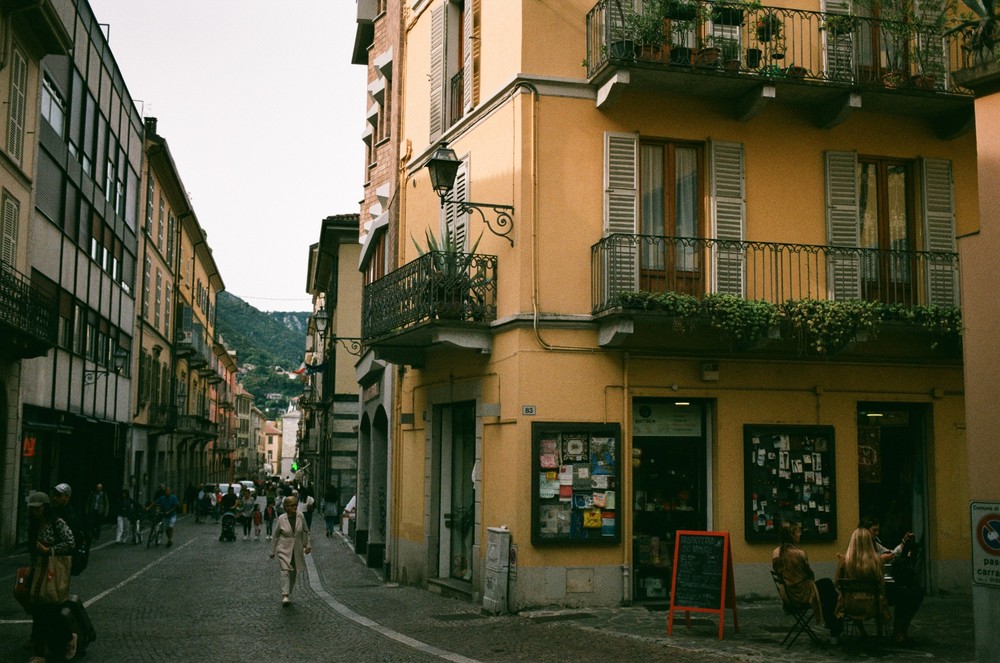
<point>456,98</point>
<point>769,271</point>
<point>777,43</point>
<point>25,307</point>
<point>458,287</point>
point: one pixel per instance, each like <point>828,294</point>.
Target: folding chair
<point>803,614</point>
<point>867,593</point>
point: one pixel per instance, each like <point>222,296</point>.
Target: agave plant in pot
<point>456,279</point>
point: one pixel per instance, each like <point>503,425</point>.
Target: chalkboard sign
<point>698,571</point>
<point>703,576</point>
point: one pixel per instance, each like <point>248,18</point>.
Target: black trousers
<point>828,601</point>
<point>906,598</point>
<point>49,630</point>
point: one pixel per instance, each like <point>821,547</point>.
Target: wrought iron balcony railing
<point>456,99</point>
<point>437,286</point>
<point>777,43</point>
<point>768,271</point>
<point>27,312</point>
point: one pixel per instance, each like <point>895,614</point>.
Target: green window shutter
<point>938,203</point>
<point>439,64</point>
<point>18,100</point>
<point>470,66</point>
<point>621,204</point>
<point>729,210</point>
<point>843,226</point>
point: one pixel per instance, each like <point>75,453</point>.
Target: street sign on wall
<point>985,543</point>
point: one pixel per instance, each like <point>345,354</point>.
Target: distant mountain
<point>268,346</point>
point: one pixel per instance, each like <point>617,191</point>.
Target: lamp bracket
<point>90,375</point>
<point>352,345</point>
<point>504,215</point>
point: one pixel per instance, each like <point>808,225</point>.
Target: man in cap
<point>61,508</point>
<point>97,510</point>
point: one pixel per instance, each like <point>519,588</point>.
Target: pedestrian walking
<point>269,516</point>
<point>307,505</point>
<point>257,518</point>
<point>246,505</point>
<point>291,544</point>
<point>168,505</point>
<point>50,544</point>
<point>97,510</point>
<point>331,508</point>
<point>124,511</point>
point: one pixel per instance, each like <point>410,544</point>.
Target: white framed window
<point>53,107</point>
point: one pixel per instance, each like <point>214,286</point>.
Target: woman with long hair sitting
<point>862,562</point>
<point>792,563</point>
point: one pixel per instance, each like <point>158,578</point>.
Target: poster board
<point>575,483</point>
<point>703,577</point>
<point>789,474</point>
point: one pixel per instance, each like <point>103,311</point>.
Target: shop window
<point>575,483</point>
<point>789,476</point>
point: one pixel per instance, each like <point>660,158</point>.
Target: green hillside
<point>266,345</point>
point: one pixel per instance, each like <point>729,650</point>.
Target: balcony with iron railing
<point>440,297</point>
<point>27,316</point>
<point>709,296</point>
<point>748,55</point>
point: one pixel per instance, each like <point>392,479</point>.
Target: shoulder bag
<point>50,583</point>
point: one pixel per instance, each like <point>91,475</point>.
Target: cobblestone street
<point>203,600</point>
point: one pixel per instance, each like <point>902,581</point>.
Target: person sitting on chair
<point>792,563</point>
<point>905,592</point>
<point>862,563</point>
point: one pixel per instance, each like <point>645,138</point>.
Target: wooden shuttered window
<point>18,105</point>
<point>439,71</point>
<point>729,209</point>
<point>8,232</point>
<point>938,211</point>
<point>456,224</point>
<point>621,210</point>
<point>839,44</point>
<point>471,53</point>
<point>843,225</point>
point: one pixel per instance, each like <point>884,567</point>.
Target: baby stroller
<point>228,527</point>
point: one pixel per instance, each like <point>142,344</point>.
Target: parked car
<point>224,488</point>
<point>248,485</point>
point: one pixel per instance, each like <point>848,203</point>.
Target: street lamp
<point>118,359</point>
<point>443,168</point>
<point>322,319</point>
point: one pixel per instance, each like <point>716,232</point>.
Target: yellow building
<point>712,290</point>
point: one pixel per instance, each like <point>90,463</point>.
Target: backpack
<point>81,553</point>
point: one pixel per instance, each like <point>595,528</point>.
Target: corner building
<point>726,295</point>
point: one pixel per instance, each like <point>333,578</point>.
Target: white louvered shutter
<point>18,100</point>
<point>8,238</point>
<point>439,73</point>
<point>470,66</point>
<point>839,46</point>
<point>843,226</point>
<point>456,224</point>
<point>621,204</point>
<point>729,210</point>
<point>939,230</point>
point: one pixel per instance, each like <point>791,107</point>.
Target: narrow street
<point>203,600</point>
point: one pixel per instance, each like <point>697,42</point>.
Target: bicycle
<point>155,529</point>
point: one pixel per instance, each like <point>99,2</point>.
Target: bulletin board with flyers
<point>575,487</point>
<point>789,475</point>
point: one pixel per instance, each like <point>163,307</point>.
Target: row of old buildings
<point>111,365</point>
<point>710,291</point>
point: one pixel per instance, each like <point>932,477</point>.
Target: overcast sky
<point>263,112</point>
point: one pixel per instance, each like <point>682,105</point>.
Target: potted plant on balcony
<point>839,24</point>
<point>981,32</point>
<point>645,28</point>
<point>680,10</point>
<point>768,26</point>
<point>453,282</point>
<point>731,13</point>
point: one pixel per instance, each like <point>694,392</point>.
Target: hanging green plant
<point>826,326</point>
<point>745,320</point>
<point>673,303</point>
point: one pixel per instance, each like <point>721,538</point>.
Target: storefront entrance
<point>670,487</point>
<point>892,471</point>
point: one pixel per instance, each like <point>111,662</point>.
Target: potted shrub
<point>646,30</point>
<point>753,57</point>
<point>453,282</point>
<point>839,24</point>
<point>768,26</point>
<point>730,53</point>
<point>679,10</point>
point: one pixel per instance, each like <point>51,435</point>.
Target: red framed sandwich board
<point>702,577</point>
